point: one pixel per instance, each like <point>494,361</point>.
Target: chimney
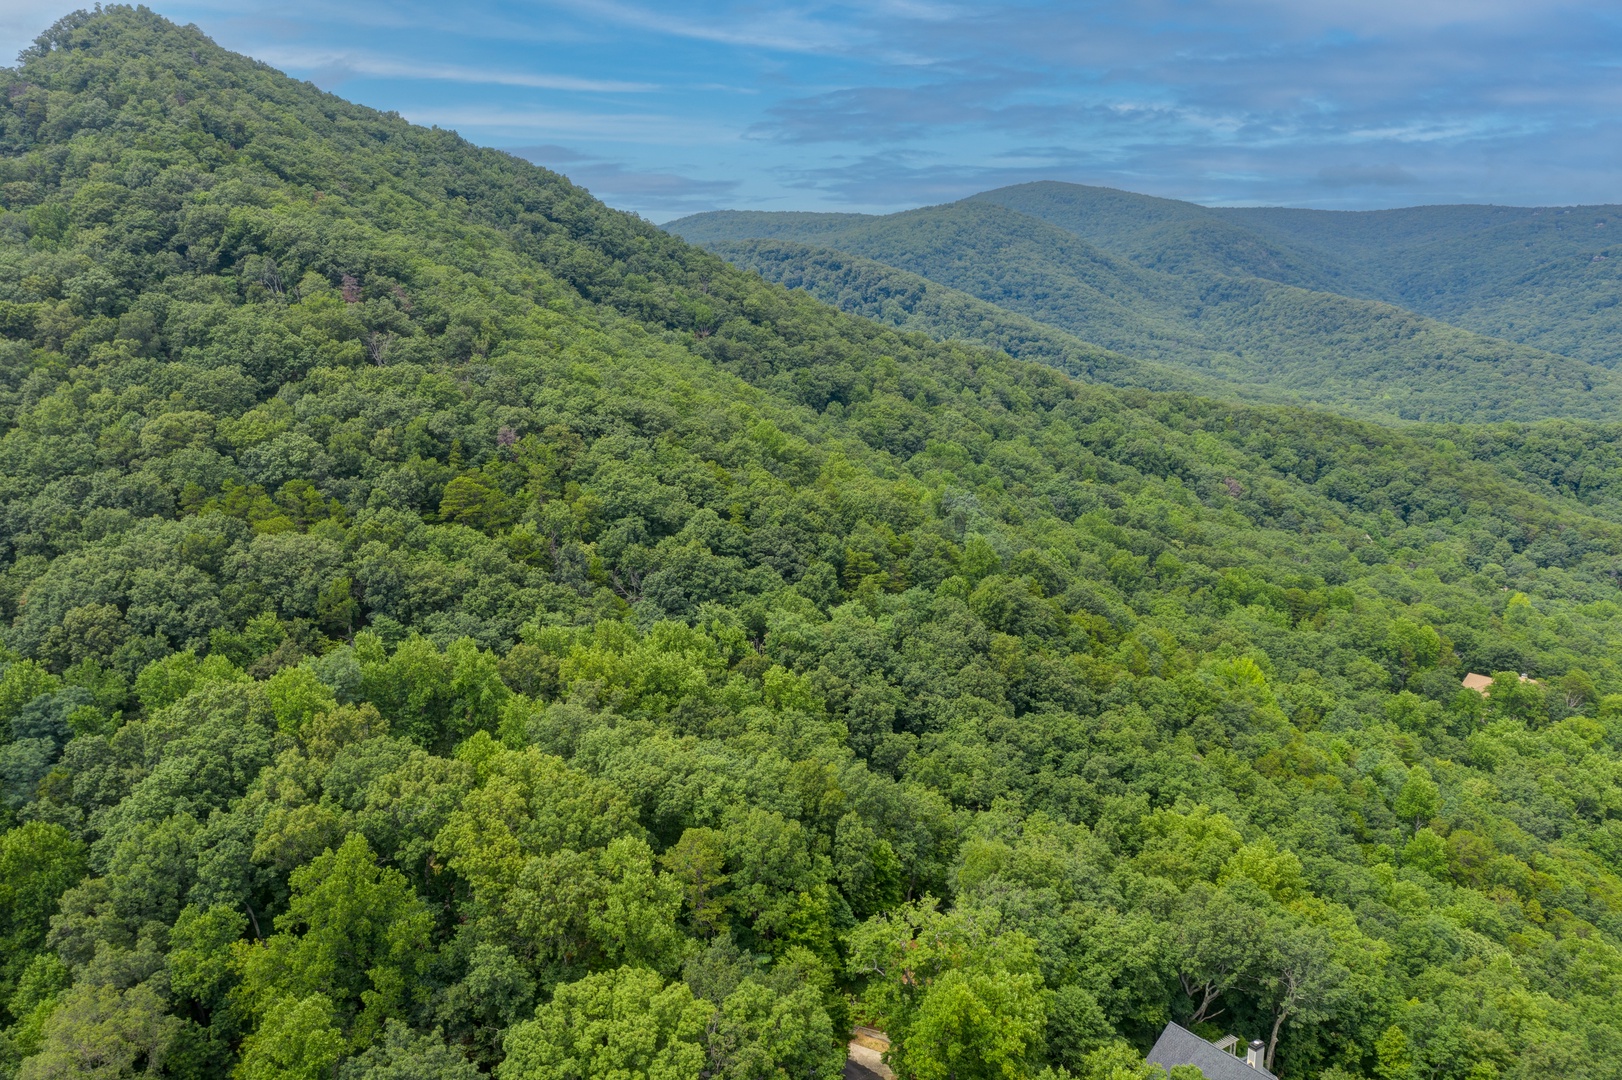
<point>1253,1057</point>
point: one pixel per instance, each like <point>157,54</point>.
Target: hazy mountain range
<point>1434,313</point>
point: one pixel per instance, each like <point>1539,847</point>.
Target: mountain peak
<point>121,29</point>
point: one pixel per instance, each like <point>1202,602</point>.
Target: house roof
<point>1482,684</point>
<point>1180,1046</point>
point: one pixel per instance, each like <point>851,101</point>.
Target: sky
<point>670,108</point>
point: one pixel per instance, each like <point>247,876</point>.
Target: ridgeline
<point>1444,314</point>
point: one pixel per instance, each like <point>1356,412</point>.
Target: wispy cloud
<point>786,28</point>
<point>666,192</point>
<point>347,65</point>
<point>661,129</point>
<point>1346,176</point>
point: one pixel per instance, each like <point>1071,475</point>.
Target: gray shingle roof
<point>1180,1046</point>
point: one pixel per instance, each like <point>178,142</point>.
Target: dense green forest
<point>1544,276</point>
<point>1460,324</point>
<point>911,302</point>
<point>453,627</point>
<point>1181,237</point>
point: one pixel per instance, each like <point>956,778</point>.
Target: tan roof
<point>1481,684</point>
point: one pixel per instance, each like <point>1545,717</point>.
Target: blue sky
<point>668,108</point>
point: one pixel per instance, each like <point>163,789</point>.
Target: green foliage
<point>1544,276</point>
<point>452,626</point>
<point>32,1004</point>
<point>973,1024</point>
<point>38,862</point>
<point>960,998</point>
<point>761,1031</point>
<point>1529,274</point>
<point>296,695</point>
<point>102,1031</point>
<point>350,948</point>
<point>403,1055</point>
<point>1243,312</point>
<point>297,1039</point>
<point>622,1023</point>
<point>164,682</point>
<point>1420,799</point>
<point>910,301</point>
<point>1116,1061</point>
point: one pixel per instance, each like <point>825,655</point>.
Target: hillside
<point>1548,277</point>
<point>1542,276</point>
<point>1209,316</point>
<point>1182,237</point>
<point>453,628</point>
<point>896,298</point>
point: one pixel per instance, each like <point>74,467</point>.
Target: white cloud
<point>648,128</point>
<point>359,63</point>
<point>785,29</point>
<point>1387,16</point>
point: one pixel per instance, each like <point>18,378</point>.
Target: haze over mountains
<point>1434,313</point>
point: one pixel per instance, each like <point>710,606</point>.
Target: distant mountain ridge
<point>1466,264</point>
<point>1548,277</point>
<point>1378,317</point>
<point>1156,234</point>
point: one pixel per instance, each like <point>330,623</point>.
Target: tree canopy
<point>1449,314</point>
<point>453,628</point>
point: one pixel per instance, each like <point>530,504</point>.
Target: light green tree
<point>977,1025</point>
<point>954,990</point>
<point>625,1024</point>
<point>354,933</point>
<point>105,1033</point>
<point>402,1054</point>
<point>635,921</point>
<point>762,1033</point>
<point>38,862</point>
<point>1420,799</point>
<point>298,1039</point>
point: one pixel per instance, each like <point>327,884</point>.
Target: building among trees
<point>1179,1046</point>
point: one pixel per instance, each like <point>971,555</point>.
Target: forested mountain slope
<point>1167,234</point>
<point>1544,276</point>
<point>1210,317</point>
<point>1550,277</point>
<point>897,298</point>
<point>455,627</point>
